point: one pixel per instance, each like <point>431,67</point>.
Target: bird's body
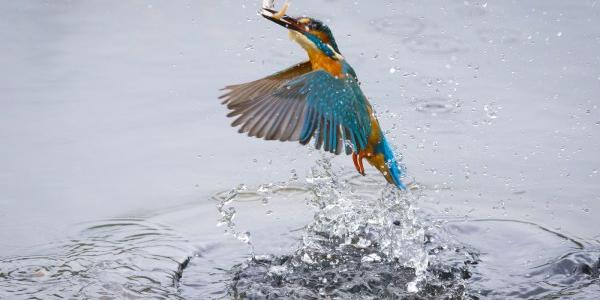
<point>318,99</point>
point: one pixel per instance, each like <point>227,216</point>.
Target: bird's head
<point>310,33</point>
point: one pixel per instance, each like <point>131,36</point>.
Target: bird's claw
<point>358,164</point>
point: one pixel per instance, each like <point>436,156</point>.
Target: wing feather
<point>265,118</point>
<point>299,104</point>
<point>239,93</point>
<point>288,124</point>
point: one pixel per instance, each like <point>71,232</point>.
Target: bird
<point>319,99</point>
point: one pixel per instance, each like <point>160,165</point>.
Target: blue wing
<point>335,111</point>
<point>299,105</point>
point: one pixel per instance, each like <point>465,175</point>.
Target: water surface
<point>117,162</point>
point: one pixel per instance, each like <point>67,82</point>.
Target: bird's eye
<point>315,25</point>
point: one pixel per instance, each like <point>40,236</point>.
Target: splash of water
<point>227,209</point>
<point>228,212</point>
<point>384,228</point>
<point>363,240</point>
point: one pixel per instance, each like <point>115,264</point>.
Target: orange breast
<point>321,61</point>
<point>375,136</point>
<point>376,159</point>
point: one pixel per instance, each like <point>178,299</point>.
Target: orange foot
<point>357,159</point>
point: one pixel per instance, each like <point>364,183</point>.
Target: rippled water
<point>333,235</point>
<point>121,178</point>
<point>114,258</point>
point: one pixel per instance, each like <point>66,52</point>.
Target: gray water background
<point>109,109</point>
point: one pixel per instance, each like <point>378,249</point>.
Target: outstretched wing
<point>298,105</point>
<point>245,93</point>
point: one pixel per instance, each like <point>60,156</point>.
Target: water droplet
<point>277,270</point>
<point>491,110</point>
<point>307,259</point>
<point>362,243</point>
<point>373,257</point>
<point>392,70</point>
<point>411,287</point>
<point>243,237</point>
<point>559,33</point>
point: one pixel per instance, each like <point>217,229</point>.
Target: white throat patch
<point>309,45</point>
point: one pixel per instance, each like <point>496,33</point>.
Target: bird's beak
<point>282,19</point>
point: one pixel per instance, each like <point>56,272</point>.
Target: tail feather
<point>395,172</point>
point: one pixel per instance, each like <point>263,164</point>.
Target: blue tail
<point>394,170</point>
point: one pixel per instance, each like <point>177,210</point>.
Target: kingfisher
<point>319,99</point>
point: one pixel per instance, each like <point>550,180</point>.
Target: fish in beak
<point>282,19</point>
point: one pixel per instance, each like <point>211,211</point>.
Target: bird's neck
<point>320,61</point>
